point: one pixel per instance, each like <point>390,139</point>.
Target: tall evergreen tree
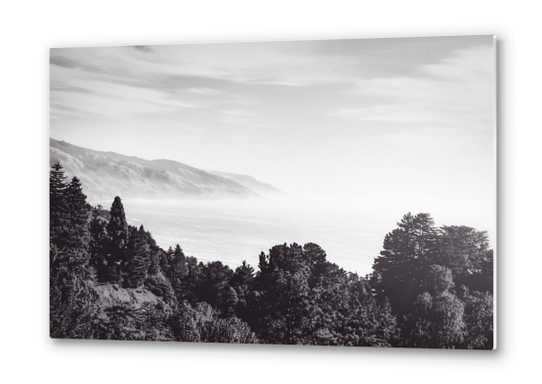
<point>243,275</point>
<point>242,284</point>
<point>58,215</point>
<point>98,243</point>
<point>427,274</point>
<point>138,260</point>
<point>400,268</point>
<point>214,279</point>
<point>155,254</point>
<point>184,275</point>
<point>118,234</point>
<point>78,214</point>
<point>72,302</point>
<point>286,307</point>
<point>178,262</point>
<point>462,249</point>
<point>117,228</point>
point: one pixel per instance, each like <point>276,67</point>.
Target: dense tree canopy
<point>433,278</point>
<point>430,287</point>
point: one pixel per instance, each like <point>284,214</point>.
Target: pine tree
<point>178,267</point>
<point>118,234</point>
<point>242,283</point>
<point>287,307</point>
<point>98,243</point>
<point>283,305</point>
<point>138,260</point>
<point>400,268</point>
<point>155,254</point>
<point>213,280</point>
<point>78,214</point>
<point>462,249</point>
<point>72,302</point>
<point>117,228</point>
<point>243,275</point>
<point>58,215</point>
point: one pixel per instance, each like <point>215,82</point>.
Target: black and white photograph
<point>337,192</point>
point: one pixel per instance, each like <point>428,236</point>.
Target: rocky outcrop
<point>113,294</point>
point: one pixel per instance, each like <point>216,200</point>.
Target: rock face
<point>108,174</point>
<point>131,313</point>
<point>112,294</point>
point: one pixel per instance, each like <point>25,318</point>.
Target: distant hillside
<point>251,183</point>
<point>105,175</point>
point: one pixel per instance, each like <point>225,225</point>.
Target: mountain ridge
<point>264,189</point>
<point>108,174</point>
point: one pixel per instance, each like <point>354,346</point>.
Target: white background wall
<point>29,29</point>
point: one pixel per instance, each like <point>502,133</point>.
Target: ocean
<point>233,231</point>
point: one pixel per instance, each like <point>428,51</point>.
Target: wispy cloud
<point>205,91</point>
<point>285,83</point>
<point>458,91</point>
<point>143,48</point>
<point>66,62</point>
<point>226,77</point>
<point>63,87</point>
<point>238,112</point>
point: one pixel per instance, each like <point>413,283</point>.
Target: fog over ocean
<point>231,231</point>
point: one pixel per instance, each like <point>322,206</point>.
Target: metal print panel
<point>329,193</point>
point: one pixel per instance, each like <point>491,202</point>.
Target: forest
<point>430,287</point>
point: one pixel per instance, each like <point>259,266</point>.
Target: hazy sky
<point>397,121</point>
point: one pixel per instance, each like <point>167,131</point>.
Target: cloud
<point>62,87</point>
<point>285,83</point>
<point>143,48</point>
<point>205,91</point>
<point>66,62</point>
<point>188,127</point>
<point>458,91</point>
<point>238,112</point>
<point>203,84</point>
<point>63,62</point>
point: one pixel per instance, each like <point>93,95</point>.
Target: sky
<point>405,123</point>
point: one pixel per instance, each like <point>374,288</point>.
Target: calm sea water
<point>233,231</point>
